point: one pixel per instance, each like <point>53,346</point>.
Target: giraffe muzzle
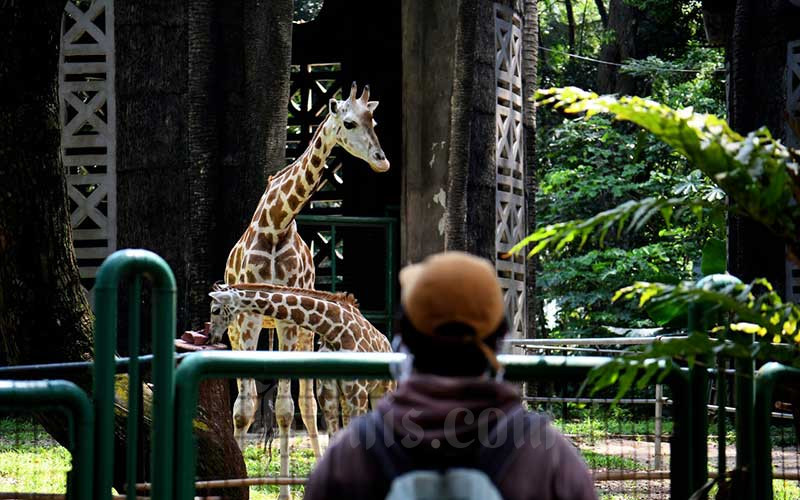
<point>379,162</point>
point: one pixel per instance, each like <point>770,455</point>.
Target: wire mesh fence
<point>31,461</point>
<point>626,444</point>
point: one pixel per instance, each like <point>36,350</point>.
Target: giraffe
<point>335,317</point>
<point>272,251</point>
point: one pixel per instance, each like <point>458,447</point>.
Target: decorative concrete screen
<point>792,140</point>
<point>510,201</point>
<point>313,86</point>
<point>88,132</point>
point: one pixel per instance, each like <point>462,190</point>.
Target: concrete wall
<point>428,42</point>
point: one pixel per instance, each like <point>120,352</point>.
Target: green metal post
<point>333,258</point>
<point>767,378</point>
<point>134,384</point>
<point>69,398</point>
<point>744,421</point>
<point>722,418</point>
<point>118,266</point>
<point>699,324</point>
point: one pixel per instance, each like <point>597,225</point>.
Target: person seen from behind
<point>451,429</point>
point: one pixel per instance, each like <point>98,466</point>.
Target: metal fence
<point>22,442</point>
<point>685,476</point>
<point>657,434</point>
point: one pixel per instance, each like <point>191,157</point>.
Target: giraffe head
<point>224,302</point>
<point>355,128</point>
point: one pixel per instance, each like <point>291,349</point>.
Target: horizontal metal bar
<point>595,350</point>
<point>344,220</point>
<point>62,370</point>
<point>774,414</point>
<point>544,399</point>
<point>597,341</point>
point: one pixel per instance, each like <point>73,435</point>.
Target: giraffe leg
<point>378,390</point>
<point>244,337</point>
<point>355,400</point>
<point>306,401</point>
<point>284,405</point>
<point>328,396</point>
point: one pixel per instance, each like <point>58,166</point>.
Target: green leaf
<point>714,258</point>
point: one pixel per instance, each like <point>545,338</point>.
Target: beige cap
<point>453,287</point>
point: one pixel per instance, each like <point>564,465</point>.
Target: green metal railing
<point>766,379</point>
<point>60,395</point>
<point>684,476</point>
<point>132,265</point>
<point>388,224</point>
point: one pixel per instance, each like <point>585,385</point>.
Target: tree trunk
<point>254,55</point>
<point>570,25</point>
<point>601,10</point>
<point>470,213</point>
<point>460,114</point>
<point>44,314</point>
<point>530,50</point>
<point>623,22</point>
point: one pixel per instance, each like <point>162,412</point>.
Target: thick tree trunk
<point>471,220</point>
<point>44,314</point>
<point>530,50</point>
<point>623,22</point>
<point>254,60</point>
<point>460,126</point>
<point>203,157</point>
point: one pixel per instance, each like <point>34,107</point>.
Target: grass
<point>257,461</point>
<point>610,462</point>
<point>30,461</point>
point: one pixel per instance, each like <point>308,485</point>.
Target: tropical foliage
<point>759,177</point>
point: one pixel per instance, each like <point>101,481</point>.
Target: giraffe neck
<point>290,189</point>
<point>329,319</point>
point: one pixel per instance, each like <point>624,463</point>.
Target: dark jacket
<point>443,422</point>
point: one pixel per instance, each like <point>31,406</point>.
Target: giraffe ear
<point>333,106</point>
<point>371,105</point>
<point>220,297</point>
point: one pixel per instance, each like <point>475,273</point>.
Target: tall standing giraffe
<point>272,251</point>
<point>335,317</point>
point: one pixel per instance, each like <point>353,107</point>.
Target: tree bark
<point>601,10</point>
<point>44,314</point>
<point>623,21</point>
<point>254,58</point>
<point>203,155</point>
<point>460,114</point>
<point>530,51</point>
<point>570,25</point>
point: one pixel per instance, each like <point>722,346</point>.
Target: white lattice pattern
<point>312,86</point>
<point>510,201</point>
<point>88,132</point>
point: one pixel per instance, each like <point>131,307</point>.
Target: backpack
<point>457,483</point>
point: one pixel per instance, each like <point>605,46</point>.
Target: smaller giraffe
<point>335,317</point>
